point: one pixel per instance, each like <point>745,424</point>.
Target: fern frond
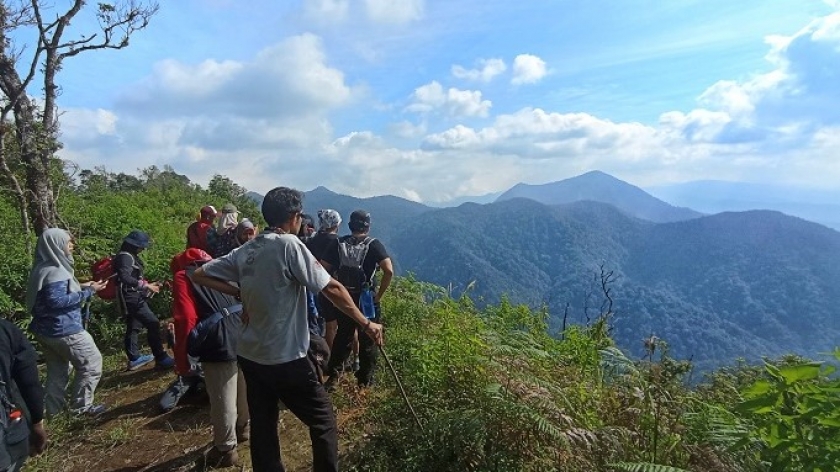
<point>645,467</point>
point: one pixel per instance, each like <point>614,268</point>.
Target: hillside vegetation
<point>492,385</point>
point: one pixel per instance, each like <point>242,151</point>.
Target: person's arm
<point>55,295</point>
<point>387,274</point>
<point>201,278</point>
<point>340,297</point>
<point>25,374</point>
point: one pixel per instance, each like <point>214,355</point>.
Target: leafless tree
<point>29,125</point>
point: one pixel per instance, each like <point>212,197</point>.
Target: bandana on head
<point>328,218</point>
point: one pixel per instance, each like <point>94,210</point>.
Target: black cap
<point>359,221</point>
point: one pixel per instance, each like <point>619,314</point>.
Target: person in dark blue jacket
<point>133,293</point>
<point>54,298</point>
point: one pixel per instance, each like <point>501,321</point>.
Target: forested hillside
<point>716,288</point>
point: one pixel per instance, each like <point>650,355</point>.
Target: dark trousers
<point>295,384</point>
<point>343,345</point>
<point>139,316</point>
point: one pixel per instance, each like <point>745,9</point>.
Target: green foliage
<point>495,392</point>
<point>99,212</point>
<point>643,467</point>
<point>795,416</point>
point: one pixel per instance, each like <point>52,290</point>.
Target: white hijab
<point>226,222</point>
<point>52,264</point>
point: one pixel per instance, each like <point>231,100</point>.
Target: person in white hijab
<point>55,298</point>
<point>222,240</point>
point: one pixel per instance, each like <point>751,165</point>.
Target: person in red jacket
<point>201,313</point>
<point>197,232</point>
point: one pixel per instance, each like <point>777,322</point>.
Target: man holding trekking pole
<point>273,272</point>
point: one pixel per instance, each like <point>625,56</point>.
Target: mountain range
<point>715,287</point>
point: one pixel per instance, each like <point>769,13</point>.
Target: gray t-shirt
<point>273,272</point>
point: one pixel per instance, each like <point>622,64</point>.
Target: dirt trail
<point>134,436</point>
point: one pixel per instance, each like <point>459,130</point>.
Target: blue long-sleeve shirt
<point>58,312</point>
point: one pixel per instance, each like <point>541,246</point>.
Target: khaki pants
<point>228,402</point>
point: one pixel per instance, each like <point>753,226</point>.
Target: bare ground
<point>133,436</point>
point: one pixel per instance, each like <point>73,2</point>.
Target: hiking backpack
<point>213,338</point>
<point>13,427</point>
<point>351,257</point>
<point>103,269</point>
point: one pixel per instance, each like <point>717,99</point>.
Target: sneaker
<point>140,362</point>
<point>244,433</point>
<point>93,410</point>
<point>217,458</point>
<point>165,363</point>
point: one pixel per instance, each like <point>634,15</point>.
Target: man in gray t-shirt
<point>273,272</point>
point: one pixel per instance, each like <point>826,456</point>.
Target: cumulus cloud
<point>485,71</point>
<point>528,69</point>
<point>536,133</point>
<point>394,11</point>
<point>267,121</point>
<point>287,80</point>
<point>763,108</point>
<point>455,102</point>
<point>326,11</point>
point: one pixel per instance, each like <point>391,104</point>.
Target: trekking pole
<point>402,390</point>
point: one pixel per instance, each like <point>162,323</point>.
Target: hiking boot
<point>164,363</point>
<point>140,362</point>
<point>356,365</point>
<point>243,433</point>
<point>217,458</point>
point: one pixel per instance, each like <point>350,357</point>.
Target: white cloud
<point>394,11</point>
<point>486,71</point>
<point>269,121</point>
<point>528,69</point>
<point>283,81</point>
<point>455,102</point>
<point>326,11</point>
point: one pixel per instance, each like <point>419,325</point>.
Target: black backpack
<point>213,339</point>
<point>13,427</point>
<point>351,257</point>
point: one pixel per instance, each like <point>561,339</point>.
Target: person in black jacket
<point>18,367</point>
<point>133,292</point>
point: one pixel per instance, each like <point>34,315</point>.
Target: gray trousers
<point>228,402</point>
<point>76,351</point>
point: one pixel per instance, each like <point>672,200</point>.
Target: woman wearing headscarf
<point>222,239</point>
<point>55,299</point>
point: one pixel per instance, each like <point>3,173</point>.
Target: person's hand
<point>153,287</point>
<point>375,332</point>
<point>37,439</point>
<point>96,285</point>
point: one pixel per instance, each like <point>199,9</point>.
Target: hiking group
<point>261,320</point>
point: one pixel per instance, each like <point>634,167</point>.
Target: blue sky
<point>435,99</point>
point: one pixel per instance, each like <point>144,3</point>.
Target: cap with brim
<point>138,238</point>
<point>229,208</point>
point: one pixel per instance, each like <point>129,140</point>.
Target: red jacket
<point>197,235</point>
<point>183,304</point>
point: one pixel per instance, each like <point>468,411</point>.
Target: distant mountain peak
<point>601,187</point>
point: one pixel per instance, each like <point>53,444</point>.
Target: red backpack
<point>103,269</point>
